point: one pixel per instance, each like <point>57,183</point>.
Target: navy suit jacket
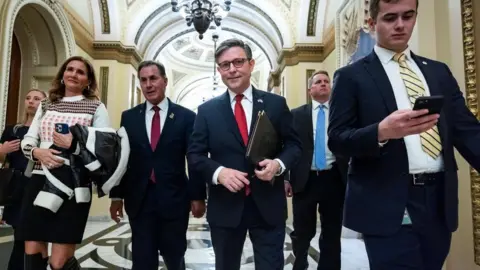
<point>378,180</point>
<point>216,133</point>
<point>175,190</point>
<point>300,173</point>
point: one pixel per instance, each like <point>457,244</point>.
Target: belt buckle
<point>416,177</point>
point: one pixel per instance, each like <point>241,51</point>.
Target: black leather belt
<point>426,179</point>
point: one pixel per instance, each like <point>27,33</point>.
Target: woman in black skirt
<point>72,100</point>
<point>10,153</point>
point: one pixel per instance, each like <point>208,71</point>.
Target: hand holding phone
<point>402,123</point>
<point>433,104</point>
<point>62,136</point>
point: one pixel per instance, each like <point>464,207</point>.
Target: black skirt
<point>12,210</point>
<point>66,226</point>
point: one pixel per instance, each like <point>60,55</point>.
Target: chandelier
<point>202,12</point>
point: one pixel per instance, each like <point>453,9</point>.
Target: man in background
<point>318,181</point>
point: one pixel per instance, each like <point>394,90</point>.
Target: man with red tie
<point>242,196</point>
<point>158,194</point>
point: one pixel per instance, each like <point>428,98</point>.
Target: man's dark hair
<point>310,80</point>
<point>374,8</point>
<point>230,43</point>
<point>147,63</point>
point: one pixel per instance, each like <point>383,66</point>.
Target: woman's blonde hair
<point>25,113</point>
<point>58,88</point>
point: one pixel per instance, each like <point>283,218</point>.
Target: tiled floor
<point>107,246</point>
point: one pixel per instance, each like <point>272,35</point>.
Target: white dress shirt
<point>330,158</point>
<point>149,112</point>
<point>247,104</point>
<point>418,160</point>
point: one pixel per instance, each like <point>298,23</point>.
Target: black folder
<point>264,141</point>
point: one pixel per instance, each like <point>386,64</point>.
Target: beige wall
<point>439,36</point>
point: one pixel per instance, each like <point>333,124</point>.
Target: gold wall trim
<point>104,50</point>
<point>105,16</point>
<point>312,18</point>
<point>303,53</point>
<point>291,57</point>
<point>104,71</point>
<point>329,39</point>
<point>309,74</point>
<point>133,92</point>
<point>468,29</point>
<point>116,51</point>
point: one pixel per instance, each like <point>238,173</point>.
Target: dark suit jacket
<point>378,178</point>
<point>299,174</point>
<point>175,190</point>
<point>216,132</point>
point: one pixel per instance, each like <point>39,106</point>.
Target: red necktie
<point>155,133</point>
<point>242,125</point>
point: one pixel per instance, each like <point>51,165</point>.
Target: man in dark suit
<point>157,192</point>
<point>242,197</point>
<point>402,180</point>
<point>318,181</point>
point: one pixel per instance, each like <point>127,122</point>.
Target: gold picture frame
<point>471,94</point>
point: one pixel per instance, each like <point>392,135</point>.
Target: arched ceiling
<point>189,51</point>
<point>152,29</point>
<point>155,25</point>
<point>273,25</point>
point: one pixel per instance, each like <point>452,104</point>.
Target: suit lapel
<point>309,118</point>
<point>258,106</point>
<point>227,112</point>
<point>141,123</point>
<point>433,88</point>
<point>378,74</point>
<point>168,125</point>
<point>429,76</point>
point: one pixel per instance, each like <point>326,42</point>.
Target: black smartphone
<point>434,104</point>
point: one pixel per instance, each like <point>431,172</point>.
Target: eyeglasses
<point>238,63</point>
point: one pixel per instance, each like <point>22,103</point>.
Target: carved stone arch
<point>56,22</point>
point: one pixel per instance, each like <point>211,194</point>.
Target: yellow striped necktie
<point>430,139</point>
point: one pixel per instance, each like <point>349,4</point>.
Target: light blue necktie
<point>320,158</point>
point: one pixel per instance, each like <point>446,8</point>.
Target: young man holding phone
<point>402,182</point>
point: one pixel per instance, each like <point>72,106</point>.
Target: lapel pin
<point>424,62</point>
<point>260,100</point>
<point>171,115</point>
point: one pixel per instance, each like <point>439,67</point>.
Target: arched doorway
<point>39,39</point>
<point>14,82</point>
